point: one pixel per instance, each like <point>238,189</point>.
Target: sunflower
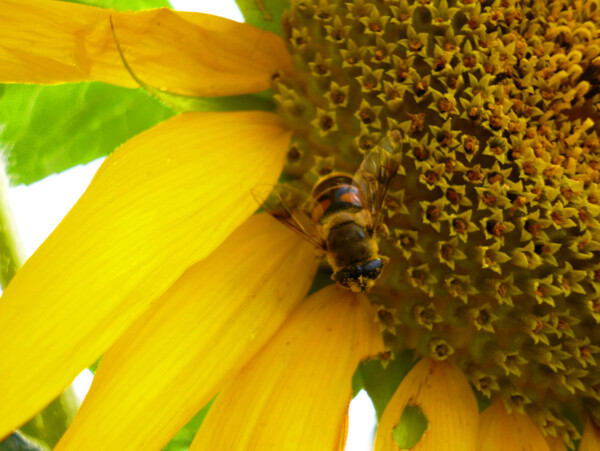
<point>485,317</point>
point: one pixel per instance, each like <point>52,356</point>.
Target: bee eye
<point>372,269</point>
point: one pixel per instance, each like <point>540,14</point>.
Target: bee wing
<point>291,207</point>
<point>377,172</point>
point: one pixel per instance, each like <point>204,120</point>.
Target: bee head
<point>359,278</point>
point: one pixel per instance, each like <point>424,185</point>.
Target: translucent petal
<point>499,431</point>
<point>160,203</point>
<point>50,42</point>
<point>173,359</point>
<point>442,392</point>
<point>295,393</point>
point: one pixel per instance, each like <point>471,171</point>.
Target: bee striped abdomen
<point>334,194</point>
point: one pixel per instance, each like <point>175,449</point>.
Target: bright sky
<point>39,208</point>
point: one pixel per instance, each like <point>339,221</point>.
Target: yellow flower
<point>163,270</point>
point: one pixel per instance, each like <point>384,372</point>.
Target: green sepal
<point>381,382</point>
<point>12,255</point>
<point>19,442</point>
<point>264,14</point>
<point>483,402</point>
<point>411,427</point>
<point>94,366</point>
<point>262,101</point>
<point>183,439</point>
<point>124,5</point>
<point>48,426</point>
<point>47,129</point>
<point>321,280</point>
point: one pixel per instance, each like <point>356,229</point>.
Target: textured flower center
<point>494,217</point>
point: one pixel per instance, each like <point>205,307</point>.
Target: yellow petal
<point>160,203</point>
<point>555,444</point>
<point>172,361</point>
<point>52,42</point>
<point>590,440</point>
<point>294,394</point>
<point>446,399</point>
<point>344,431</point>
<point>499,431</point>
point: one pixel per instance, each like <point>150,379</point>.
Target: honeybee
<point>342,215</point>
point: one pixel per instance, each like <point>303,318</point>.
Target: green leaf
<point>124,5</point>
<point>411,427</point>
<point>47,129</point>
<point>184,437</point>
<point>44,130</point>
<point>381,383</point>
<point>264,14</point>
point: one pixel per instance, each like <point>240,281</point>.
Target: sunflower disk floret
<point>494,236</point>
